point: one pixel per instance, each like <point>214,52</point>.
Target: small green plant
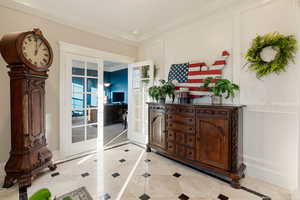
<point>222,86</point>
<point>145,70</point>
<point>165,89</point>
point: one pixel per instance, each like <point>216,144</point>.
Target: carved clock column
<point>28,72</point>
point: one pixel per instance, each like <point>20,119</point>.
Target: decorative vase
<point>162,100</point>
<point>215,99</point>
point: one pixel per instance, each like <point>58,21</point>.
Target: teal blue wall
<point>119,83</point>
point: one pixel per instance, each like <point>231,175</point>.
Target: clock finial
<point>37,31</point>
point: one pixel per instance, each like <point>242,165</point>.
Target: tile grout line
<point>130,176</point>
<point>110,141</point>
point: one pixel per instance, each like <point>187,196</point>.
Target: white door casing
<point>137,107</point>
<point>67,53</point>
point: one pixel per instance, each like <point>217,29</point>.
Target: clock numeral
<point>35,62</point>
<point>46,55</point>
<point>29,39</point>
<point>45,49</point>
<point>24,48</point>
<point>30,60</point>
<point>41,63</point>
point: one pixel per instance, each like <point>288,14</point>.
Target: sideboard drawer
<point>180,151</point>
<point>212,113</point>
<point>181,127</point>
<point>180,138</point>
<point>190,140</point>
<point>171,147</point>
<point>182,110</point>
<point>190,154</point>
<point>171,135</point>
<point>176,118</point>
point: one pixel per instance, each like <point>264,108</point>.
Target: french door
<point>83,104</point>
<point>137,100</point>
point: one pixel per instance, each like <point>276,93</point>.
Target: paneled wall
<point>271,125</point>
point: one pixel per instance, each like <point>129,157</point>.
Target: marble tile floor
<point>129,173</point>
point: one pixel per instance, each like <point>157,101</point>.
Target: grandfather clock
<point>29,56</point>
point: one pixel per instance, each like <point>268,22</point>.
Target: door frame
<point>143,139</point>
<point>65,50</point>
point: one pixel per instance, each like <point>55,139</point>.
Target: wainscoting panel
<point>271,144</point>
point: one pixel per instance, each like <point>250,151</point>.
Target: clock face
<point>35,50</point>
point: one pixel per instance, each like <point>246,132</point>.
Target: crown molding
<point>107,33</point>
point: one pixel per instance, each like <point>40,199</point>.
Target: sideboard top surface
<point>200,105</point>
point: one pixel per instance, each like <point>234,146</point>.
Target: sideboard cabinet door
<point>212,144</point>
<point>157,128</point>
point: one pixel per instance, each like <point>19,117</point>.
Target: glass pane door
<point>85,90</point>
<point>137,98</point>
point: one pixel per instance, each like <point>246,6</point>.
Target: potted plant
<point>159,93</point>
<point>222,86</point>
<point>144,71</point>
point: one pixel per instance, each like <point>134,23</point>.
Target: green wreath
<point>285,48</point>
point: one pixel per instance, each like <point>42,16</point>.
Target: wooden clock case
<point>29,153</point>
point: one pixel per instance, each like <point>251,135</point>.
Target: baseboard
<point>296,195</point>
<point>264,171</point>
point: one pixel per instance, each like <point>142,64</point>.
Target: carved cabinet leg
<point>9,181</point>
<point>52,167</point>
<point>235,184</point>
<point>148,149</point>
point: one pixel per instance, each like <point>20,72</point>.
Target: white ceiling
<point>110,66</point>
<point>121,18</point>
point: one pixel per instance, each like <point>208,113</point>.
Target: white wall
<point>271,124</point>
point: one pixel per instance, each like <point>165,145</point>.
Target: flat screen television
<point>118,97</point>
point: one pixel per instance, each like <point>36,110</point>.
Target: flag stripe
<point>220,62</point>
<point>198,64</point>
<point>201,80</point>
<point>208,72</point>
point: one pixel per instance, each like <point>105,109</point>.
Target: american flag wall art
<point>191,76</point>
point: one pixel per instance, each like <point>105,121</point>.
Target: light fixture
<point>107,84</point>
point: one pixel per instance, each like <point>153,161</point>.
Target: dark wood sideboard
<point>206,137</point>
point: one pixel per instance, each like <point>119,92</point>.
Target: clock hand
<point>36,47</point>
